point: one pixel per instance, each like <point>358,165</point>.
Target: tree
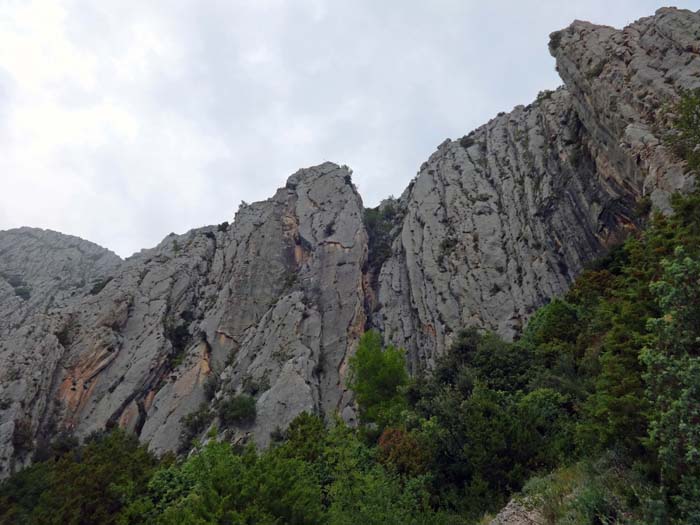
<point>673,384</point>
<point>238,409</point>
<point>217,485</point>
<point>685,136</point>
<point>376,376</point>
<point>85,486</point>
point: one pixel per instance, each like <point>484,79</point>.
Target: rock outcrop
<point>272,306</point>
<point>274,300</point>
<point>504,218</point>
<point>516,513</point>
<point>41,270</point>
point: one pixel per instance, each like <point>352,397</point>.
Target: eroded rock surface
<point>501,220</point>
<point>516,513</point>
<point>275,299</point>
<point>494,225</point>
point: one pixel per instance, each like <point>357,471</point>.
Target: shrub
<point>59,446</point>
<point>379,223</point>
<point>685,135</point>
<point>376,376</point>
<point>555,40</point>
<point>23,436</point>
<point>596,70</point>
<point>544,95</point>
<point>403,452</point>
<point>211,385</point>
<point>466,141</point>
<point>194,424</point>
<point>447,246</point>
<point>555,321</point>
<point>99,285</point>
<point>23,292</point>
<point>253,387</point>
<point>305,438</point>
<point>179,337</point>
<point>63,335</point>
<point>238,409</point>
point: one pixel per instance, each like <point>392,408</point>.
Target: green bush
<point>194,424</point>
<point>379,223</point>
<point>685,134</point>
<point>179,337</point>
<point>23,291</point>
<point>23,435</point>
<point>100,285</point>
<point>376,376</point>
<point>87,486</point>
<point>238,409</point>
<point>211,385</point>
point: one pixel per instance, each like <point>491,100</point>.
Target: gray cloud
<point>130,119</point>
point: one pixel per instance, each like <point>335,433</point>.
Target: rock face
<point>503,219</point>
<point>621,83</point>
<point>42,275</point>
<point>41,270</point>
<point>495,224</point>
<point>516,513</point>
<point>272,306</point>
<point>275,300</point>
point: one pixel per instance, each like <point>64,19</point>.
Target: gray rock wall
<point>494,225</point>
<point>498,222</point>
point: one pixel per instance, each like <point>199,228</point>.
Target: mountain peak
<point>272,306</point>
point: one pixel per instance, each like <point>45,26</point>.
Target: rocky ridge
<point>504,218</point>
<point>494,224</point>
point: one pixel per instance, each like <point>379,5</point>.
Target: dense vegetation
<point>593,415</point>
<point>379,223</point>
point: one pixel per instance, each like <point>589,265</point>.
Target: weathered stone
<point>516,513</point>
<point>272,306</point>
<point>498,222</point>
<point>622,84</point>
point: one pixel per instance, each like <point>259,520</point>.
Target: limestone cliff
<point>504,218</point>
<point>272,305</point>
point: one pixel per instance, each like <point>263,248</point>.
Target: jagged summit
<point>494,225</point>
<point>313,172</point>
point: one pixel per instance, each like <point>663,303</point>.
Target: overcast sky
<point>121,121</point>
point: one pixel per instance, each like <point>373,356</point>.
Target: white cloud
<point>121,121</point>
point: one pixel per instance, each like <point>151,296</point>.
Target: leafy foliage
<point>379,223</point>
<point>238,409</point>
<point>194,424</point>
<point>216,485</point>
<point>100,285</point>
<point>685,136</point>
<point>376,377</point>
<point>85,486</point>
<point>593,414</point>
<point>672,380</point>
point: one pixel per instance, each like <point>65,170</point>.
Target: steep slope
<point>276,299</point>
<point>622,83</point>
<point>42,274</point>
<point>42,270</point>
<point>503,219</point>
<point>494,225</point>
